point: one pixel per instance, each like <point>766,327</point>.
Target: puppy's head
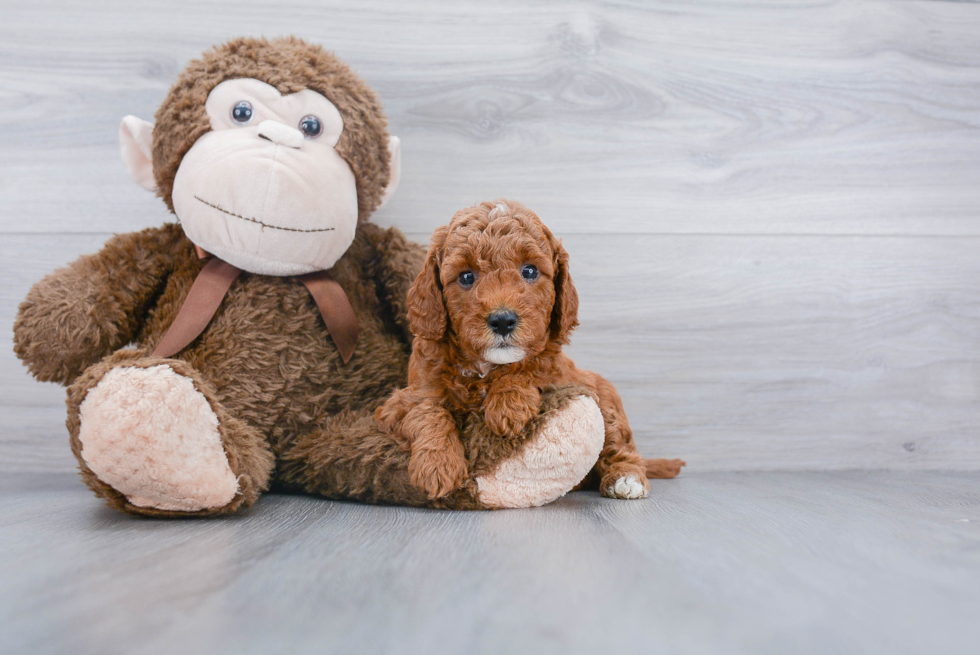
<point>498,279</point>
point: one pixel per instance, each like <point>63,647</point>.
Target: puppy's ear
<point>564,316</point>
<point>426,310</point>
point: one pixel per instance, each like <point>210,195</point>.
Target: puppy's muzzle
<point>502,322</point>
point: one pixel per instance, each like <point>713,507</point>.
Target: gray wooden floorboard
<point>845,562</point>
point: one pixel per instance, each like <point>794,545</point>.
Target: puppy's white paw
<point>627,487</point>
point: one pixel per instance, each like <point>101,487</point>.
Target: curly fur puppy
<point>491,310</point>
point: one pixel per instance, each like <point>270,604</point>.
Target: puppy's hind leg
<point>664,469</point>
<point>621,471</point>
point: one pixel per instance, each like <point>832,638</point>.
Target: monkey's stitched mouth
<point>258,222</point>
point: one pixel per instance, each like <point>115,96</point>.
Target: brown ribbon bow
<point>212,285</point>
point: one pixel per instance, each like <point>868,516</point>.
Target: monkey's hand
<point>79,314</point>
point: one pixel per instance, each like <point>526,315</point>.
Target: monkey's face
<point>265,189</point>
<point>269,152</point>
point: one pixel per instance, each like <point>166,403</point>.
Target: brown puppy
<point>491,310</point>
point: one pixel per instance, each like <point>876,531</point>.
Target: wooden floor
<point>845,562</point>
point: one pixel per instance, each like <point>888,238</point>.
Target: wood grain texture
<point>761,117</point>
<point>772,207</point>
<point>885,562</point>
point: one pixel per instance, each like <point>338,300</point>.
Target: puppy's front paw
<point>507,413</point>
<point>437,472</point>
<point>626,487</point>
<point>390,416</point>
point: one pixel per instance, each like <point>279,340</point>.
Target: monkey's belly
<point>560,456</point>
<point>274,365</point>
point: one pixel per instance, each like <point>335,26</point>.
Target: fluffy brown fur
<point>266,364</point>
<point>449,373</point>
<point>351,458</point>
<point>290,413</point>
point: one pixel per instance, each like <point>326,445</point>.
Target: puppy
<point>490,311</point>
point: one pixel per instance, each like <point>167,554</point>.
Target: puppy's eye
<point>242,112</point>
<point>529,272</point>
<point>310,126</point>
<point>467,279</point>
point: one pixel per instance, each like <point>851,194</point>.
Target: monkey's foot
<point>562,452</point>
<point>153,437</point>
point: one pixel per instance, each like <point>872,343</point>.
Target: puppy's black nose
<point>503,323</point>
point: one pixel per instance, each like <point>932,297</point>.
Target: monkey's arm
<point>399,263</point>
<point>79,314</point>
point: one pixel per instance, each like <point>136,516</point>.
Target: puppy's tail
<point>664,468</point>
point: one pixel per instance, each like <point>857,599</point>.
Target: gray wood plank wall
<point>772,208</point>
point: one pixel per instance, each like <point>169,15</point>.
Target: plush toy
<point>270,322</point>
<point>549,457</point>
<point>491,311</point>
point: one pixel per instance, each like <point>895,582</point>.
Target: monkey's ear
<point>395,168</point>
<point>136,144</point>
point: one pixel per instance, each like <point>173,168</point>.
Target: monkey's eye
<point>529,272</point>
<point>242,112</point>
<point>310,126</point>
<point>467,279</point>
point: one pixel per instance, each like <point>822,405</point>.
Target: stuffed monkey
<point>269,322</point>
